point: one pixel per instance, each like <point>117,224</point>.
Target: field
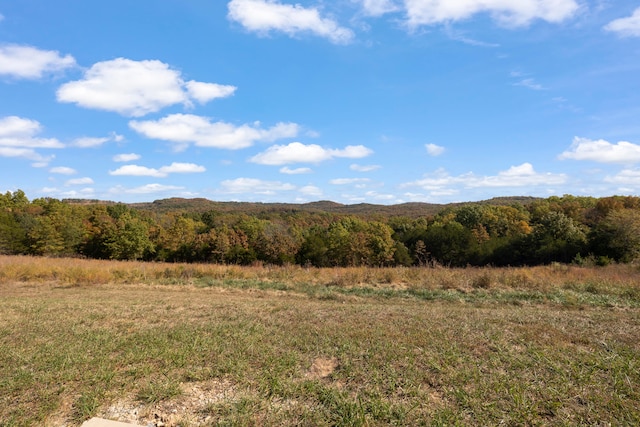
<point>198,345</point>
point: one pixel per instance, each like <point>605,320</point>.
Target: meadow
<point>203,345</point>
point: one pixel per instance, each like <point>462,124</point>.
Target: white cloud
<point>530,84</point>
<point>434,150</point>
<point>297,152</point>
<point>297,171</point>
<point>626,177</point>
<point>182,168</point>
<point>388,198</point>
<point>349,181</point>
<point>126,157</point>
<point>26,153</point>
<point>463,38</point>
<point>145,189</point>
<point>79,181</point>
<point>253,186</point>
<point>18,138</point>
<point>523,175</point>
<point>364,168</point>
<point>117,138</point>
<point>26,62</point>
<point>184,129</point>
<point>63,170</point>
<point>136,170</point>
<point>263,16</point>
<point>378,7</point>
<point>82,193</point>
<point>311,190</point>
<point>1,17</point>
<point>518,176</point>
<point>205,92</point>
<point>508,13</point>
<point>135,88</point>
<point>602,151</point>
<point>626,27</point>
<point>19,132</point>
<point>88,142</point>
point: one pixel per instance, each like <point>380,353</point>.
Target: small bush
<point>484,281</point>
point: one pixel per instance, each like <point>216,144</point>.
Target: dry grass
<point>214,345</point>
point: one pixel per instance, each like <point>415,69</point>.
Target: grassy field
<point>198,345</point>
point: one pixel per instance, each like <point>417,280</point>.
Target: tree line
<point>557,229</point>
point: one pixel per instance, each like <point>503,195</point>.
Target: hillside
<point>412,210</point>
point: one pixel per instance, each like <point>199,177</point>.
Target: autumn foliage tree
<point>557,229</point>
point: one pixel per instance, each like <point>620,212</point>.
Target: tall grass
<point>613,284</point>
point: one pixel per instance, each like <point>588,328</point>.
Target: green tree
<point>12,234</point>
<point>618,235</point>
<point>557,238</point>
<point>128,240</point>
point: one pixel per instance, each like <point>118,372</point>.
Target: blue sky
<point>377,101</point>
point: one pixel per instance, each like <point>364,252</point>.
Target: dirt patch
<point>189,408</point>
<point>322,368</point>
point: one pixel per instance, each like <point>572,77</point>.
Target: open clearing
<point>548,346</point>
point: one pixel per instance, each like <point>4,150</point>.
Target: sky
<point>353,101</point>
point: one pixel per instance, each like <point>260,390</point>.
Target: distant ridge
<point>411,209</point>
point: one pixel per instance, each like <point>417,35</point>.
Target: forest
<point>511,232</point>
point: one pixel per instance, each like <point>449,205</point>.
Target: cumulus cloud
<point>626,27</point>
<point>26,62</point>
<point>253,186</point>
<point>82,193</point>
<point>205,92</point>
<point>310,190</point>
<point>384,198</point>
<point>297,171</point>
<point>182,168</point>
<point>136,170</point>
<point>126,157</point>
<point>184,129</point>
<point>145,189</point>
<point>508,13</point>
<point>136,88</point>
<point>19,132</point>
<point>63,170</point>
<point>26,153</point>
<point>79,181</point>
<point>434,150</point>
<point>364,168</point>
<point>523,175</point>
<point>18,138</point>
<point>263,16</point>
<point>626,177</point>
<point>297,152</point>
<point>602,151</point>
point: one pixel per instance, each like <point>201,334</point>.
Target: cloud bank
<point>297,152</point>
<point>185,129</point>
